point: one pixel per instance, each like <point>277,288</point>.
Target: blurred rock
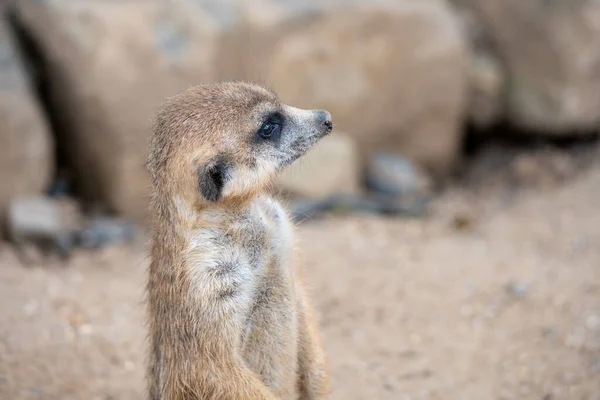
<point>463,222</point>
<point>487,77</point>
<point>542,169</point>
<point>550,54</point>
<point>487,85</point>
<point>330,167</point>
<point>48,223</point>
<point>110,65</point>
<point>392,175</point>
<point>393,74</point>
<point>102,231</point>
<point>26,146</point>
<point>528,169</point>
<point>302,210</point>
<point>518,289</point>
<point>60,185</point>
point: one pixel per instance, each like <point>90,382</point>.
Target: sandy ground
<point>491,297</point>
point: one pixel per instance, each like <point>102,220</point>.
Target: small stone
<point>43,221</point>
<point>518,289</point>
<point>76,318</point>
<point>36,392</point>
<point>524,388</point>
<point>569,378</point>
<point>26,144</point>
<point>491,312</point>
<point>487,81</point>
<point>528,169</point>
<point>393,175</point>
<point>463,223</point>
<point>302,210</point>
<point>580,244</point>
<point>60,186</point>
<point>31,307</point>
<point>561,164</point>
<point>388,387</point>
<point>101,231</point>
<point>86,329</point>
<point>30,255</point>
<point>550,331</point>
<point>593,322</point>
<point>575,339</point>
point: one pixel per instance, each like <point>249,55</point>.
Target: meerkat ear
<point>212,177</point>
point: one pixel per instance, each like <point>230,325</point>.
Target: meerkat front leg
<point>313,371</point>
<point>189,361</point>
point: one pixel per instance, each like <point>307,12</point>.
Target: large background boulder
<point>110,65</point>
<point>549,52</point>
<point>26,146</point>
<point>393,74</point>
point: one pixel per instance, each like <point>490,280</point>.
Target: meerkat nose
<point>324,119</point>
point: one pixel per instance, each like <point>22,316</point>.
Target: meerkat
<point>228,315</point>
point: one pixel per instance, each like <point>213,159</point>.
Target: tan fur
<point>228,317</point>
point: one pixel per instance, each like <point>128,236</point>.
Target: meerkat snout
<point>325,118</point>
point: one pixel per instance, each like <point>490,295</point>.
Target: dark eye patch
<point>271,127</point>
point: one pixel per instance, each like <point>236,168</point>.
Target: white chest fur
<point>225,262</point>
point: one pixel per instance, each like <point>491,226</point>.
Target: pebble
<point>60,187</point>
<point>43,226</point>
<point>518,289</point>
<point>31,307</point>
<point>43,221</point>
<point>390,174</point>
<point>576,339</point>
<point>463,223</point>
<point>388,387</point>
<point>302,210</point>
<point>593,322</point>
<point>86,330</point>
<point>102,231</point>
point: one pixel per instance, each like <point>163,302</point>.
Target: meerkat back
<point>228,316</point>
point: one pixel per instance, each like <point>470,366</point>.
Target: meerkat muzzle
<point>324,120</point>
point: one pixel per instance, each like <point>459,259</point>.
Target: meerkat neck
<point>178,217</point>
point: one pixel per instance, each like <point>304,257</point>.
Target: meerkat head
<point>228,140</point>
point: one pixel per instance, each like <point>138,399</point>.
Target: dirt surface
<point>492,296</point>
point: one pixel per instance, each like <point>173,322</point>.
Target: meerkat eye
<point>270,128</point>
